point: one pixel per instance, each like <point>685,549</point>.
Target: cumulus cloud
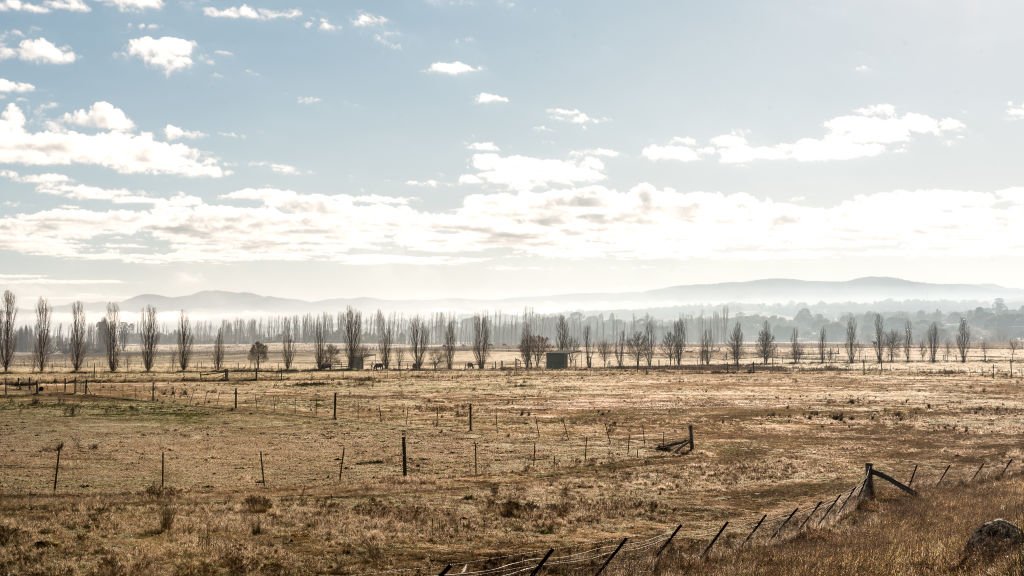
<point>322,24</point>
<point>16,87</point>
<point>867,132</point>
<point>451,68</point>
<point>134,5</point>
<point>172,133</point>
<point>101,115</point>
<point>365,20</point>
<point>573,116</point>
<point>278,167</point>
<point>308,100</point>
<point>1015,111</point>
<point>526,173</point>
<point>249,13</point>
<point>38,50</point>
<point>484,147</point>
<point>383,34</point>
<point>487,98</point>
<point>64,187</point>
<point>45,7</point>
<point>589,222</point>
<point>121,151</point>
<point>167,53</point>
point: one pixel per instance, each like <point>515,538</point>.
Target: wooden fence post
<point>809,516</point>
<point>829,509</point>
<point>751,535</point>
<point>236,399</point>
<point>713,540</point>
<point>1006,468</point>
<point>470,417</point>
<point>669,541</point>
<point>943,475</point>
<point>335,417</point>
<point>341,465</point>
<point>542,561</point>
<point>869,485</point>
<point>784,522</point>
<point>978,472</point>
<point>606,562</point>
<point>405,470</point>
<point>445,571</point>
<point>692,447</point>
<point>263,476</point>
<point>161,471</point>
<point>912,474</point>
<point>56,468</point>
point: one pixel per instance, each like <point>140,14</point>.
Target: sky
<point>496,148</point>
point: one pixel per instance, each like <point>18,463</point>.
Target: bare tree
<point>353,333</point>
<point>111,322</point>
<point>320,356</point>
<point>604,350</point>
<point>620,349</point>
<point>879,341</point>
<point>983,345</point>
<point>635,347</point>
<point>679,329</point>
<point>186,340</point>
<point>588,346</point>
<point>908,339</point>
<point>150,337</point>
<point>526,343</point>
<point>851,339</point>
<point>287,344</point>
<point>77,343</point>
<point>481,339</point>
<point>43,334</point>
<point>668,347</point>
<point>124,330</point>
<point>794,345</point>
<point>8,333</point>
<point>736,343</point>
<point>963,339</point>
<point>648,343</point>
<point>821,345</point>
<point>385,337</point>
<point>541,345</point>
<point>449,343</point>
<point>563,334</point>
<point>218,350</point>
<point>948,349</point>
<point>1014,344</point>
<point>765,342</point>
<point>893,338</point>
<point>258,355</point>
<point>932,338</point>
<point>705,346</point>
<point>419,338</point>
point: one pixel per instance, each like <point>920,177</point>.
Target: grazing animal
<point>378,366</point>
<point>470,366</point>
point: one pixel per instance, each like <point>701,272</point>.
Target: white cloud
<point>451,68</point>
<point>103,116</point>
<point>134,5</point>
<point>167,53</point>
<point>38,50</point>
<point>123,152</point>
<point>1015,111</point>
<point>64,187</point>
<point>44,8</point>
<point>526,173</point>
<point>863,68</point>
<point>867,132</point>
<point>322,24</point>
<point>484,147</point>
<point>223,53</point>
<point>44,280</point>
<point>249,13</point>
<point>422,184</point>
<point>172,133</point>
<point>365,20</point>
<point>487,98</point>
<point>573,115</point>
<point>308,100</point>
<point>278,168</point>
<point>17,87</point>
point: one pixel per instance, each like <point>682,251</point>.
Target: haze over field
<point>493,150</point>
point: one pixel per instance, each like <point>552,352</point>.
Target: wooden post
<point>713,540</point>
<point>943,475</point>
<point>152,390</point>
<point>405,469</point>
<point>809,516</point>
<point>474,459</point>
<point>847,501</point>
<point>445,571</point>
<point>978,472</point>
<point>669,541</point>
<point>784,522</point>
<point>56,468</point>
<point>470,417</point>
<point>543,560</point>
<point>341,465</point>
<point>585,440</point>
<point>535,452</point>
<point>912,474</point>
<point>1006,468</point>
<point>161,471</point>
<point>335,417</point>
<point>692,447</point>
<point>236,399</point>
<point>606,562</point>
<point>829,509</point>
<point>263,476</point>
<point>869,484</point>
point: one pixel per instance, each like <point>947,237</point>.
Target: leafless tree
<point>77,343</point>
<point>893,338</point>
<point>879,341</point>
<point>983,345</point>
<point>588,346</point>
<point>563,334</point>
<point>821,345</point>
<point>449,343</point>
<point>385,337</point>
<point>620,349</point>
<point>320,356</point>
<point>948,349</point>
<point>635,347</point>
<point>705,346</point>
<point>123,332</point>
<point>541,345</point>
<point>8,333</point>
<point>526,343</point>
<point>257,355</point>
<point>668,347</point>
<point>604,350</point>
<point>110,327</point>
<point>481,339</point>
<point>736,343</point>
<point>186,340</point>
<point>1014,344</point>
<point>794,344</point>
<point>963,339</point>
<point>765,342</point>
<point>648,342</point>
<point>287,344</point>
<point>419,338</point>
<point>353,333</point>
<point>679,329</point>
<point>43,334</point>
<point>908,339</point>
<point>932,338</point>
<point>851,339</point>
<point>150,335</point>
<point>218,350</point>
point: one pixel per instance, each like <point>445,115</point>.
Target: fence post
<point>161,471</point>
<point>335,417</point>
<point>692,447</point>
<point>445,571</point>
<point>543,560</point>
<point>405,470</point>
<point>829,509</point>
<point>978,472</point>
<point>809,516</point>
<point>869,484</point>
<point>713,540</point>
<point>1006,468</point>
<point>912,474</point>
<point>943,474</point>
<point>56,468</point>
<point>606,562</point>
<point>669,541</point>
<point>263,476</point>
<point>784,522</point>
<point>751,535</point>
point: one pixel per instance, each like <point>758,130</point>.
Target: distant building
<point>558,359</point>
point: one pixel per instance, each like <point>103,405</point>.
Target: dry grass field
<point>555,459</point>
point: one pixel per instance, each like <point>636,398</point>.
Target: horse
<point>378,366</point>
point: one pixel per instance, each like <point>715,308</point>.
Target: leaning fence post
<point>606,562</point>
<point>445,571</point>
<point>869,485</point>
<point>1006,468</point>
<point>692,447</point>
<point>809,516</point>
<point>829,509</point>
<point>912,474</point>
<point>56,468</point>
<point>713,540</point>
<point>161,471</point>
<point>263,476</point>
<point>978,472</point>
<point>542,561</point>
<point>943,474</point>
<point>784,522</point>
<point>847,501</point>
<point>669,541</point>
<point>405,470</point>
<point>751,535</point>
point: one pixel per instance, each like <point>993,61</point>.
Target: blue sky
<point>488,148</point>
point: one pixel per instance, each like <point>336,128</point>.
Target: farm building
<point>559,359</point>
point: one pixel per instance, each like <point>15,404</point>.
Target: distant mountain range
<point>782,296</point>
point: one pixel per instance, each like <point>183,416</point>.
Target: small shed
<point>359,362</point>
<point>558,359</point>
